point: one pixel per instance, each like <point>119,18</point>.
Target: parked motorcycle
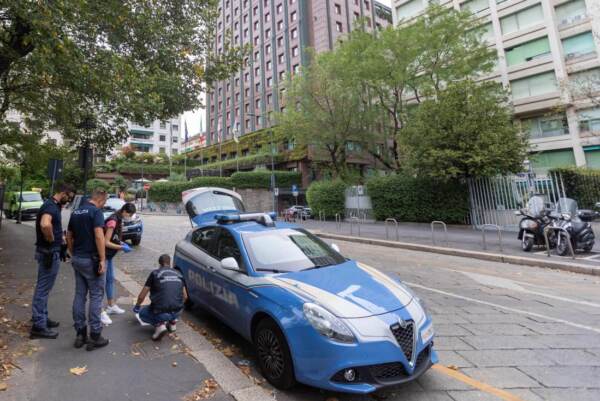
<point>536,217</point>
<point>577,223</point>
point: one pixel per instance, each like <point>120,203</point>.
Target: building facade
<point>194,142</point>
<point>279,32</point>
<point>548,58</point>
<point>160,137</point>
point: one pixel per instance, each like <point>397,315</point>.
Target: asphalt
<point>131,367</point>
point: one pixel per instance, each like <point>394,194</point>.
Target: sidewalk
<point>132,367</point>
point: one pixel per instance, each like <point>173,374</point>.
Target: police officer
<point>167,297</point>
<point>49,247</point>
<point>85,239</point>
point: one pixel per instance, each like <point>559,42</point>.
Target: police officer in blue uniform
<point>49,251</point>
<point>85,238</point>
<point>167,297</point>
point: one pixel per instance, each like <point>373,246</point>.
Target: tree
<point>466,131</point>
<point>111,61</point>
<point>324,110</point>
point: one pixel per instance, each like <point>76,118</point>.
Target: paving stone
<point>448,318</point>
<point>496,318</point>
<point>526,394</point>
<point>501,377</point>
<point>450,344</point>
<point>472,395</point>
<point>450,330</point>
<point>435,381</point>
<point>429,396</point>
<point>572,357</point>
<point>510,329</point>
<point>565,376</point>
<point>481,310</point>
<point>504,342</point>
<point>453,358</point>
<point>553,328</point>
<point>507,357</point>
<point>554,394</point>
<point>571,341</point>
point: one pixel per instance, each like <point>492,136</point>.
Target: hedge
<point>328,197</point>
<point>171,191</point>
<point>581,184</point>
<point>418,200</point>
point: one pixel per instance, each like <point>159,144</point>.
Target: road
<point>508,332</point>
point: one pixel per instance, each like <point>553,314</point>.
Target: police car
<point>314,316</point>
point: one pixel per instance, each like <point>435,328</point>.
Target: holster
<point>47,257</point>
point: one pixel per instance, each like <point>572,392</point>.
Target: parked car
<point>30,204</point>
<point>298,211</point>
<point>313,315</point>
<point>133,229</point>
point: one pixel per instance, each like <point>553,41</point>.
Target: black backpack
<point>117,233</point>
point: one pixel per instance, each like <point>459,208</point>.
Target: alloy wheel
<point>270,353</point>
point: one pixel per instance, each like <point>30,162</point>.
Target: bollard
<point>391,220</point>
<point>495,227</point>
<point>433,224</point>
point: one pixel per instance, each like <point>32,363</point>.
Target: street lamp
<point>236,138</point>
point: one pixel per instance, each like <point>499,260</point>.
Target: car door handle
<point>212,268</point>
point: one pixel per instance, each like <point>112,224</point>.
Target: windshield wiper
<point>318,266</point>
<point>270,270</point>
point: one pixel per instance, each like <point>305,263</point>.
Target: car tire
<point>273,353</point>
<point>136,241</point>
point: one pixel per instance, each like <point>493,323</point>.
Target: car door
<point>200,273</point>
<point>232,293</point>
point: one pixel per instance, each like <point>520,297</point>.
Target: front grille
<point>405,337</point>
<point>395,371</point>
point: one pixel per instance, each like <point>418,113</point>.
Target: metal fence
<point>494,200</point>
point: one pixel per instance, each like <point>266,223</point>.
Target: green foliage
<point>262,179</point>
<point>328,197</point>
<point>581,184</point>
<point>112,61</point>
<point>97,183</point>
<point>120,182</point>
<point>176,177</point>
<point>418,199</point>
<point>136,168</point>
<point>466,131</point>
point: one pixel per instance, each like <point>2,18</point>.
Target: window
<point>267,34</point>
<point>163,125</point>
<point>475,6</point>
<point>339,27</point>
<point>280,42</point>
<point>175,127</point>
<point>175,139</point>
<point>534,86</point>
<point>487,32</point>
<point>246,77</point>
<point>269,99</point>
<point>296,68</point>
<point>293,16</point>
<point>544,127</point>
<point>579,45</point>
<point>279,8</point>
<point>268,49</point>
<point>162,138</point>
<point>338,9</point>
<point>589,120</point>
<point>269,82</point>
<point>256,25</point>
<point>161,150</point>
<point>267,17</point>
<point>528,51</point>
<point>409,9</point>
<point>268,65</point>
<point>281,58</point>
<point>294,33</point>
<point>280,25</point>
<point>295,51</point>
<point>522,19</point>
<point>585,83</point>
<point>571,12</point>
<point>205,238</point>
<point>367,5</point>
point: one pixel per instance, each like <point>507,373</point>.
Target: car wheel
<point>274,356</point>
<point>136,241</point>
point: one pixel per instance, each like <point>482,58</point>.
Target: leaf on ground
<point>3,386</point>
<point>79,371</point>
<point>245,370</point>
<point>206,390</point>
<point>174,364</point>
<point>453,367</point>
<point>228,352</point>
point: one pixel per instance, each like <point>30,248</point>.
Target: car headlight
<point>136,219</point>
<point>427,333</point>
<point>326,324</point>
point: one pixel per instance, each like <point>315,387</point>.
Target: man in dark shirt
<point>167,296</point>
<point>48,245</point>
<point>85,238</point>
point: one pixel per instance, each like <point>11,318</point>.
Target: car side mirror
<point>230,264</point>
<point>335,247</point>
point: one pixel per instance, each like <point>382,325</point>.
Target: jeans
<point>45,281</point>
<point>87,281</point>
<point>156,319</point>
<point>110,279</point>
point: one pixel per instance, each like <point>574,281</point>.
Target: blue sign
<point>294,188</point>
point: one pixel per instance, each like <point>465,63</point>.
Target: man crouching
<point>167,297</point>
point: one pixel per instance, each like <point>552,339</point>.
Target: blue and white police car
<point>314,316</point>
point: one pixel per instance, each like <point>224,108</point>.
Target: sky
<point>197,117</point>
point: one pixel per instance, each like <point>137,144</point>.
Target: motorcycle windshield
<point>567,205</point>
<point>535,206</point>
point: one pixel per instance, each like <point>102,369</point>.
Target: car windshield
<point>288,250</point>
<point>213,201</point>
<point>114,204</point>
<point>31,197</point>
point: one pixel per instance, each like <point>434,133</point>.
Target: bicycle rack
<point>354,221</point>
<point>391,220</point>
<point>495,227</point>
<point>441,223</point>
<point>568,239</point>
<point>338,221</point>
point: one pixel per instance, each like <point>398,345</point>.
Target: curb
<point>491,257</point>
<point>230,379</point>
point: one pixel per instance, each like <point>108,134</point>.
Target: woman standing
<point>112,235</point>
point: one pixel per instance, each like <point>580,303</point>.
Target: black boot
<point>96,341</point>
<point>37,332</point>
<point>81,338</point>
<point>52,323</point>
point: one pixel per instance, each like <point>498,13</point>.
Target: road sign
<point>295,190</point>
<point>276,190</point>
<point>360,190</point>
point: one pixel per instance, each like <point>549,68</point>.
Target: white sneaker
<point>114,310</point>
<point>105,319</point>
<point>159,332</point>
<point>172,326</point>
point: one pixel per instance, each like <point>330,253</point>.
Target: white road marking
<point>512,285</point>
<point>514,310</point>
